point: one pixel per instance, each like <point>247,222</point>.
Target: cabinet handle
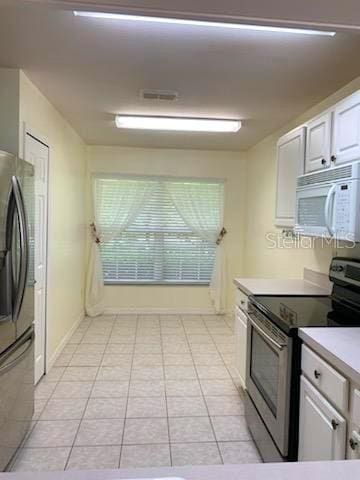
<point>317,374</point>
<point>334,424</point>
<point>353,443</point>
<point>323,161</point>
<point>333,158</point>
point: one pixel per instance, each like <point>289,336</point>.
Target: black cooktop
<point>292,312</point>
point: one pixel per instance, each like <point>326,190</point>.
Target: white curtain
<point>116,205</point>
<point>201,207</point>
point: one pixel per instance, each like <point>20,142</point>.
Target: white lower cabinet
<point>240,344</point>
<point>354,427</point>
<point>322,434</point>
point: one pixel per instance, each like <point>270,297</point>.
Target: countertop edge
<point>318,290</point>
<point>332,470</point>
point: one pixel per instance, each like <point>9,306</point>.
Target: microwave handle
<point>330,194</point>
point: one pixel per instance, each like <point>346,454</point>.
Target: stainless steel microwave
<point>328,203</point>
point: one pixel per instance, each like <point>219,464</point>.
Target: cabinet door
<point>354,427</point>
<point>290,164</point>
<point>346,146</point>
<point>240,344</point>
<point>318,143</point>
<point>322,430</point>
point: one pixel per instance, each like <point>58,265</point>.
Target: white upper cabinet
<point>346,140</point>
<point>318,143</point>
<point>290,164</point>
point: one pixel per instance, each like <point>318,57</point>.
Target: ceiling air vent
<point>165,95</point>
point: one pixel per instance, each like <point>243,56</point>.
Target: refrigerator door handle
<point>24,247</point>
<point>4,367</point>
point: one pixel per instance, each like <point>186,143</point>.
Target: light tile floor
<point>140,391</point>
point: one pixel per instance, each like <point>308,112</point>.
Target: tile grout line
<point>219,353</point>
<point>166,401</point>
<point>128,390</point>
<point>239,392</point>
<point>212,424</point>
<point>127,397</point>
<point>203,396</point>
<point>52,393</point>
<point>86,404</point>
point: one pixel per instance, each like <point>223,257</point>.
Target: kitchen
<point>160,309</point>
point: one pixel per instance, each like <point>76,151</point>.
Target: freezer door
<point>16,395</point>
<point>21,254</point>
<point>7,326</point>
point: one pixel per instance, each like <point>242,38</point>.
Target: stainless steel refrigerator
<point>17,214</point>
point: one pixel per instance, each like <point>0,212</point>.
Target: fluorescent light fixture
<point>180,124</point>
<point>202,23</point>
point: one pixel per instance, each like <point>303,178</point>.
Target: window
<point>157,246</point>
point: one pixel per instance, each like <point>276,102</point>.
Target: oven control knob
<point>337,268</point>
<point>317,374</point>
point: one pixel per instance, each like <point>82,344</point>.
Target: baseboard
<point>50,362</point>
<point>158,311</point>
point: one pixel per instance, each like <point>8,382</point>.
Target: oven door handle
<point>265,335</point>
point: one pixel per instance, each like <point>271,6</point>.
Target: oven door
<point>315,210</point>
<point>268,378</point>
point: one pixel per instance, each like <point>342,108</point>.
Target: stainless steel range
<point>274,351</point>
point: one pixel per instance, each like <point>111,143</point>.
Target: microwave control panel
<point>342,206</point>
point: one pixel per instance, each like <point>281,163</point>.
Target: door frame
<point>29,130</point>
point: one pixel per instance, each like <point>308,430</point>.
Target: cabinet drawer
<point>241,299</point>
<point>326,378</point>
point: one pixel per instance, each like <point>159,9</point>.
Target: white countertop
<point>290,286</point>
<point>268,471</point>
<point>340,346</point>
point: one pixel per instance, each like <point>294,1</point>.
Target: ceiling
<point>91,69</point>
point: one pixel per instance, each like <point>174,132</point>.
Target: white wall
<point>66,226</point>
<point>189,163</point>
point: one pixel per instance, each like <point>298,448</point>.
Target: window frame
<point>152,283</point>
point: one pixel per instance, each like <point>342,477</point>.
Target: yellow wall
<point>9,112</point>
<point>190,163</point>
<point>259,259</point>
<point>66,227</point>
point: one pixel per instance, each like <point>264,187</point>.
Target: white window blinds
<point>158,245</point>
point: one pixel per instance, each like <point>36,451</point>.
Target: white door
<point>240,345</point>
<point>322,430</point>
<point>37,154</point>
<point>290,164</point>
<point>318,143</point>
<point>346,146</point>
